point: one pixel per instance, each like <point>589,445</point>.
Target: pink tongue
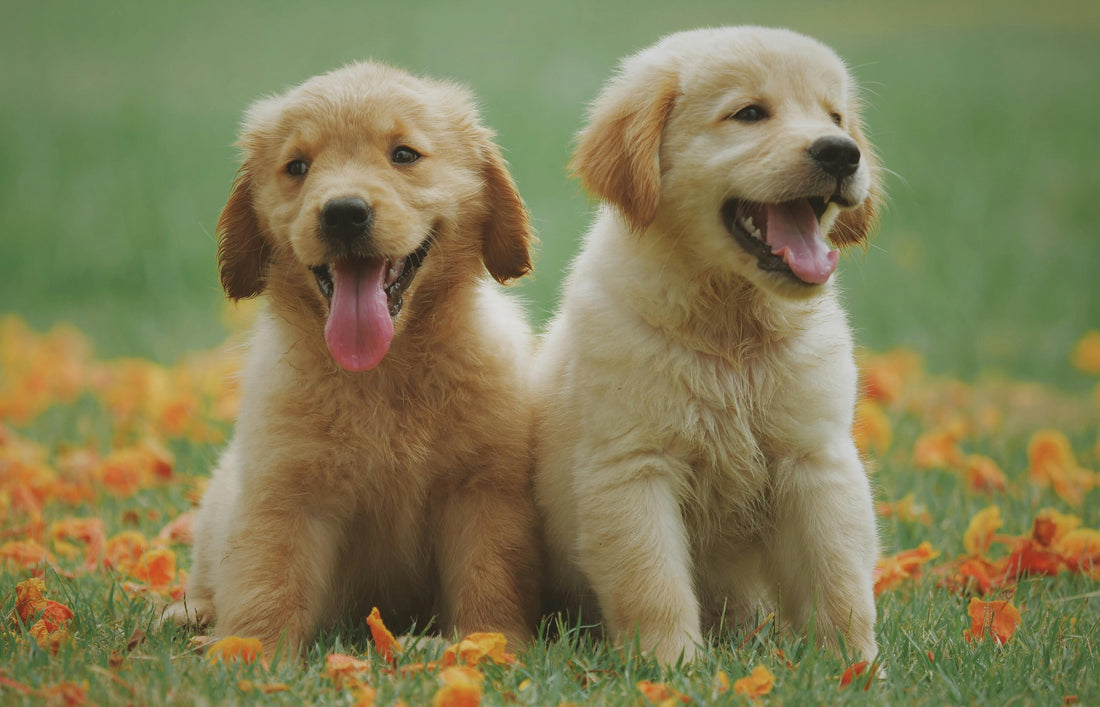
<point>359,327</point>
<point>794,235</point>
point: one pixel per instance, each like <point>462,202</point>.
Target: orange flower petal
<point>979,535</point>
<point>384,642</point>
<point>461,688</point>
<point>457,695</point>
<point>1081,549</point>
<point>157,568</point>
<point>124,550</point>
<point>180,530</point>
<point>343,669</point>
<point>24,553</point>
<point>1086,354</point>
<point>1030,558</point>
<point>983,475</point>
<point>995,619</point>
<point>235,648</point>
<point>49,636</point>
<point>886,375</point>
<point>905,509</point>
<point>660,694</point>
<point>870,428</point>
<point>477,647</point>
<point>759,682</point>
<point>891,571</point>
<point>937,449</point>
<point>1051,462</point>
<point>30,598</point>
<point>852,673</point>
<point>88,531</point>
<point>1050,526</point>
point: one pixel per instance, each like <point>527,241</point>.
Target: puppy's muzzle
<point>837,156</point>
<point>346,223</point>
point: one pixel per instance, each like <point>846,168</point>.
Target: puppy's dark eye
<point>403,154</point>
<point>750,114</point>
<point>836,118</point>
<point>297,168</point>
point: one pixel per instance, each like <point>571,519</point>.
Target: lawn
<point>972,305</point>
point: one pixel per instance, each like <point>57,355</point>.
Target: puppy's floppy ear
<point>243,252</point>
<point>617,153</point>
<point>506,237</point>
<point>855,227</point>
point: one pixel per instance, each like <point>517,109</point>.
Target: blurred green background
<point>116,124</point>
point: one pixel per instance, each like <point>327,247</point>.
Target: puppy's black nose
<point>836,155</point>
<point>345,219</point>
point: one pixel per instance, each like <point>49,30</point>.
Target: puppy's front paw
<point>674,649</point>
<point>188,612</point>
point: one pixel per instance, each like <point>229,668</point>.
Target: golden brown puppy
<point>381,453</point>
<point>696,387</point>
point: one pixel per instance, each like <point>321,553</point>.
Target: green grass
<point>920,627</point>
<point>115,158</point>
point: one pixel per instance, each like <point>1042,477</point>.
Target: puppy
<point>696,388</point>
<point>381,455</point>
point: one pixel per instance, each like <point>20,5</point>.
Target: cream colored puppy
<point>381,454</point>
<point>696,388</point>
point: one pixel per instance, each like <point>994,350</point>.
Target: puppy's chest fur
<point>729,437</point>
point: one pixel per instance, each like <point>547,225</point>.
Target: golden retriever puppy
<point>696,388</point>
<point>381,455</point>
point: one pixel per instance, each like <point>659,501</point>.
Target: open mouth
<point>399,274</point>
<point>365,295</point>
<point>784,238</point>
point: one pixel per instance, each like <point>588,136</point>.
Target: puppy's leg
<point>219,505</point>
<point>488,555</point>
<point>632,546</point>
<point>825,547</point>
<point>277,574</point>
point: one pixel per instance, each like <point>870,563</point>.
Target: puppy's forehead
<point>755,61</point>
<point>363,99</point>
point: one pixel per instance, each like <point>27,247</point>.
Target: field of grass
<point>115,159</point>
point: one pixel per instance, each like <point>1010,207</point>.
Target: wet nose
<point>345,219</point>
<point>836,155</point>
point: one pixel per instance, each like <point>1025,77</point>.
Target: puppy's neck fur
<point>707,307</point>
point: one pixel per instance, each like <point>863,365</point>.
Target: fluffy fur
<point>405,486</point>
<point>694,458</point>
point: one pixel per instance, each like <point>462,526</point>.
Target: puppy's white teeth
<point>394,272</point>
<point>750,228</point>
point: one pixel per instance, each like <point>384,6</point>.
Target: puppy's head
<point>362,193</point>
<point>743,146</point>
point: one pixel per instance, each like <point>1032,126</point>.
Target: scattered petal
<point>477,647</point>
<point>660,694</point>
<point>1086,354</point>
<point>983,475</point>
<point>980,533</point>
<point>852,673</point>
<point>995,619</point>
<point>344,669</point>
<point>871,429</point>
<point>235,648</point>
<point>384,642</point>
<point>759,682</point>
<point>461,688</point>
